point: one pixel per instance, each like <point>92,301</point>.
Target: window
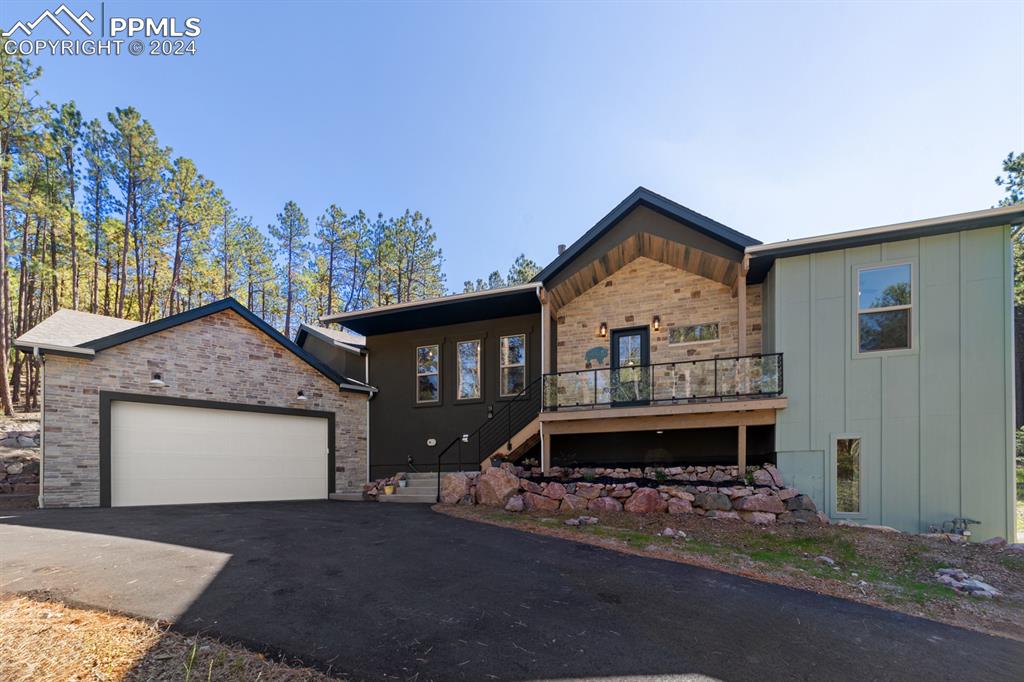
<point>428,376</point>
<point>848,475</point>
<point>512,360</point>
<point>469,369</point>
<point>883,308</point>
<point>693,333</point>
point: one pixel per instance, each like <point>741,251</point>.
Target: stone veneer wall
<point>220,357</point>
<point>644,288</point>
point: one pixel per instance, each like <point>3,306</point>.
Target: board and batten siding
<point>936,420</point>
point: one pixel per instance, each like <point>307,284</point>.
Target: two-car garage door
<point>171,454</point>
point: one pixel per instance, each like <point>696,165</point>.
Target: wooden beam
<point>741,450</point>
<point>753,404</point>
<point>705,420</point>
<point>545,449</point>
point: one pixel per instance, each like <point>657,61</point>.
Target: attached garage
<point>210,405</point>
<point>156,448</point>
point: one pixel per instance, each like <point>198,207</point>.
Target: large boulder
<point>554,490</point>
<point>496,486</point>
<point>759,503</point>
<point>573,503</point>
<point>801,503</point>
<point>589,490</point>
<point>679,506</point>
<point>604,504</point>
<point>712,501</point>
<point>645,501</point>
<point>453,488</point>
<point>535,502</point>
<point>762,477</point>
<point>776,476</point>
<point>799,516</point>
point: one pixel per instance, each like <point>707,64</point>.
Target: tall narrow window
<point>428,383</point>
<point>848,475</point>
<point>513,364</point>
<point>884,307</point>
<point>469,369</point>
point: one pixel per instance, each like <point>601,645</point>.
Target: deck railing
<point>746,376</point>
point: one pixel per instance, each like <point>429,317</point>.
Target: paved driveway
<point>396,590</point>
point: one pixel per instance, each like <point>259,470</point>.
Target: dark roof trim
<point>229,303</point>
<point>762,257</point>
<point>670,209</point>
<point>305,330</point>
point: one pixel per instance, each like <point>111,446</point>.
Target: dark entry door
<point>631,372</point>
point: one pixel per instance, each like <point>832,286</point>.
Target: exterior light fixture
<point>157,381</point>
<point>300,395</point>
<point>656,323</point>
<point>603,329</point>
<point>659,432</point>
<point>465,438</point>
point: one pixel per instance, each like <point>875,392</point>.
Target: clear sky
<point>516,126</point>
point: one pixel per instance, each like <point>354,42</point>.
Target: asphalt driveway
<point>396,591</point>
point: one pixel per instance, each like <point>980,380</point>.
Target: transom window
<point>468,353</point>
<point>848,475</point>
<point>428,375</point>
<point>693,333</point>
<point>884,305</point>
<point>512,361</point>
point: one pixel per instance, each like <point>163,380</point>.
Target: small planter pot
<point>389,490</point>
<point>403,483</point>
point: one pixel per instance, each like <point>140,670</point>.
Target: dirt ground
<point>886,569</point>
<point>47,640</point>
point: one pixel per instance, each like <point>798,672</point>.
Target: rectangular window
<point>428,374</point>
<point>848,475</point>
<point>693,333</point>
<point>512,362</point>
<point>469,369</point>
<point>883,308</point>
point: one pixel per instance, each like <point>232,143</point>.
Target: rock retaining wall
<point>19,466</point>
<point>762,503</point>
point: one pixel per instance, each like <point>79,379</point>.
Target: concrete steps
<point>420,489</point>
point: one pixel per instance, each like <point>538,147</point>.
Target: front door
<point>631,373</point>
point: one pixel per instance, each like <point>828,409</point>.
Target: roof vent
<point>561,249</point>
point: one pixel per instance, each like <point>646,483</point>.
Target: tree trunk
<point>69,155</point>
<point>5,275</point>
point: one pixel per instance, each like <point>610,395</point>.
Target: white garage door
<point>165,454</point>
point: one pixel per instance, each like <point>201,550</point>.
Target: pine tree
<point>290,231</point>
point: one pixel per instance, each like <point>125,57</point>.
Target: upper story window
<point>884,303</point>
<point>693,333</point>
<point>468,353</point>
<point>428,374</point>
<point>512,361</point>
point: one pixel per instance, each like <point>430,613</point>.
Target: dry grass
<point>46,640</point>
<point>890,570</point>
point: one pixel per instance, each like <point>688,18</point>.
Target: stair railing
<point>499,428</point>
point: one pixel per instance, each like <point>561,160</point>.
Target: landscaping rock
<point>760,518</point>
<point>604,504</point>
<point>799,516</point>
<point>15,468</point>
<point>645,501</point>
<point>960,581</point>
<point>672,533</point>
<point>535,502</point>
<point>997,542</point>
<point>515,504</point>
<point>454,487</point>
<point>801,503</point>
<point>826,560</point>
<point>760,503</point>
<point>762,477</point>
<point>589,490</point>
<point>555,491</point>
<point>776,476</point>
<point>1015,547</point>
<point>726,515</point>
<point>787,493</point>
<point>712,501</point>
<point>679,506</point>
<point>530,486</point>
<point>573,503</point>
<point>496,486</point>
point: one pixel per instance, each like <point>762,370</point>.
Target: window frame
<point>480,344</point>
<point>417,374</point>
<point>910,307</point>
<point>502,366</point>
<point>718,327</point>
<point>834,476</point>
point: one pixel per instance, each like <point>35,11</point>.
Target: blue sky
<point>516,126</point>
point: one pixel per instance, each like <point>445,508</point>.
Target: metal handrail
<point>512,422</point>
<point>645,379</point>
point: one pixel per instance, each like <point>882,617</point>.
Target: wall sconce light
<point>656,323</point>
<point>490,411</point>
<point>603,330</point>
<point>465,438</point>
<point>301,395</point>
<point>157,381</point>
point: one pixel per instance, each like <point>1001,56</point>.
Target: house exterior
<point>875,367</point>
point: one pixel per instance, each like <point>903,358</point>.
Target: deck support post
<point>741,451</point>
<point>545,450</point>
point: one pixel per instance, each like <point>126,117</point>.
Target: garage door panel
<point>168,454</point>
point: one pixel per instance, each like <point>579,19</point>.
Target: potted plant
<point>389,488</point>
<point>402,481</point>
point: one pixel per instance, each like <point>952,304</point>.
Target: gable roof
<point>642,196</point>
<point>138,331</point>
<point>69,328</point>
<point>341,338</point>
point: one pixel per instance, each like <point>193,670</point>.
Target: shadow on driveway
<point>375,590</point>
